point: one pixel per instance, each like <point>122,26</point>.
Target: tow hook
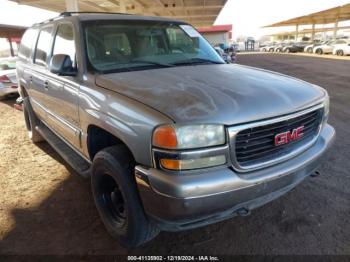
<point>243,212</point>
<point>315,174</point>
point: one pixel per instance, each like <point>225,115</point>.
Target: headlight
<point>186,137</point>
<point>174,139</point>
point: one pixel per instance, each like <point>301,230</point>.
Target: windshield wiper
<point>196,60</point>
<point>151,62</point>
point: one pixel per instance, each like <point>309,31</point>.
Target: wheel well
<point>99,139</point>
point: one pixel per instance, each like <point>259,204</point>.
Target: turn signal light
<point>171,164</point>
<point>165,137</point>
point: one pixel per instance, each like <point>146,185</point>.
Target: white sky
<point>246,16</point>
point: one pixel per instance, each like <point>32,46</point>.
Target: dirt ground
<point>46,208</point>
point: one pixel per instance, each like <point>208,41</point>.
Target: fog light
<point>188,164</point>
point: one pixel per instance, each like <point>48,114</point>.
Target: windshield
<point>118,46</point>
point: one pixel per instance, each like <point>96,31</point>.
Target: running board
<point>78,163</point>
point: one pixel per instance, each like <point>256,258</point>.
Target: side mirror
<point>62,65</point>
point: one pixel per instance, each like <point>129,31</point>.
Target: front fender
<point>130,121</point>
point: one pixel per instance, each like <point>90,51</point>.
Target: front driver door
<point>62,93</point>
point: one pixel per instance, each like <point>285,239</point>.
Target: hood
<point>224,94</point>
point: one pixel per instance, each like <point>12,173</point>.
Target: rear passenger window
<point>27,43</point>
<point>43,46</point>
<point>64,42</point>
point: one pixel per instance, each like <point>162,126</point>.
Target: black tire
<point>319,51</point>
<point>31,122</point>
<point>116,197</point>
<point>340,52</point>
<point>309,50</point>
<point>287,50</point>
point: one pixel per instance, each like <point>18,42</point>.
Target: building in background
<point>217,34</point>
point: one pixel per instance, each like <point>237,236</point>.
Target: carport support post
<point>313,33</point>
<point>11,46</point>
<point>72,6</point>
<point>335,29</point>
<point>296,32</point>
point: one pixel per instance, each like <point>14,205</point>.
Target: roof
<point>196,12</point>
<point>11,31</point>
<point>216,28</point>
<point>332,15</point>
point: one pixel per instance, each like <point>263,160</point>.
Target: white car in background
<point>342,49</point>
<point>328,47</point>
<point>8,79</point>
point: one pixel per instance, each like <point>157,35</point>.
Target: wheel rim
<point>112,200</point>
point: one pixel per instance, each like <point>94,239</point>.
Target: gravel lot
<point>45,208</point>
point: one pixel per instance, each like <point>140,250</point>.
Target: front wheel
<point>340,52</point>
<point>319,51</point>
<point>116,197</point>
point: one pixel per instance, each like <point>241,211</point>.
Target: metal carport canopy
<point>332,15</point>
<point>199,13</point>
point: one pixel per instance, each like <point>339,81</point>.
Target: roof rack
<point>66,14</point>
<point>72,13</point>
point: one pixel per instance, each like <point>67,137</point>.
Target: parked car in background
<point>342,50</point>
<point>328,47</point>
<point>265,46</point>
<point>295,47</point>
<point>8,79</point>
<point>309,48</point>
<point>281,46</point>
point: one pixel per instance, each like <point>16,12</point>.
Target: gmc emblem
<point>286,137</point>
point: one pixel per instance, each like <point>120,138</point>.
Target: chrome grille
<point>256,145</point>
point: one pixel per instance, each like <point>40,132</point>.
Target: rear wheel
<point>31,122</point>
<point>117,199</point>
<point>287,50</point>
<point>309,50</point>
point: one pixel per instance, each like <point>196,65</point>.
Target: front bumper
<point>179,202</point>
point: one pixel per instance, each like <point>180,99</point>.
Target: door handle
<point>46,84</point>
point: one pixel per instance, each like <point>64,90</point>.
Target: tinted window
<point>43,46</point>
<point>64,42</point>
<point>27,42</point>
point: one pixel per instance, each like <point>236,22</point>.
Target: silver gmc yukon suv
<point>171,137</point>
